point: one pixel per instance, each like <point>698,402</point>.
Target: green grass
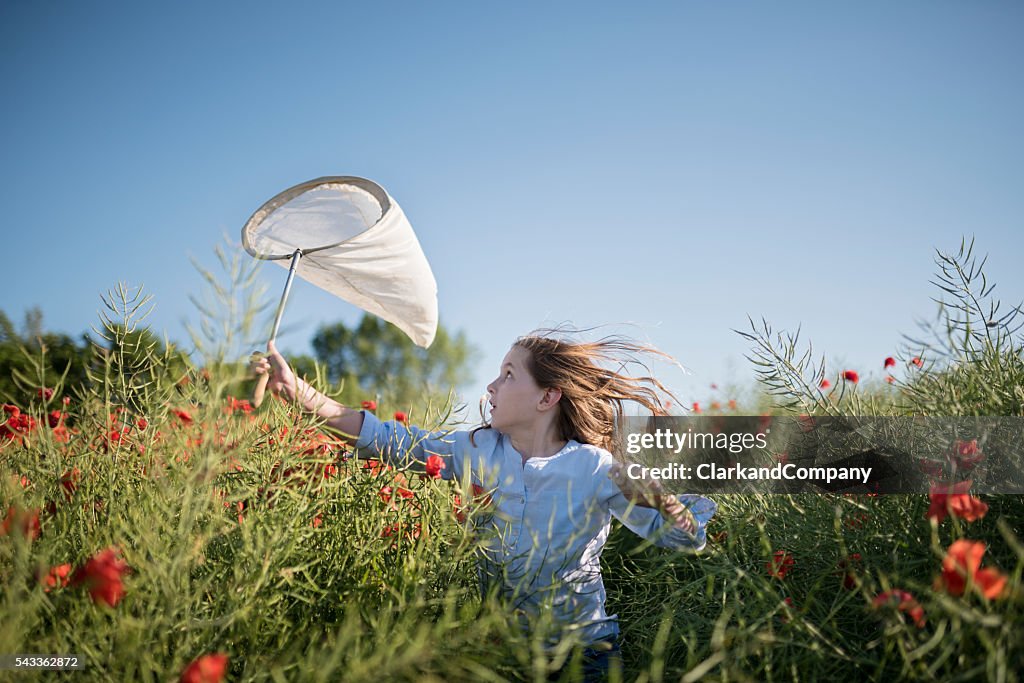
<point>286,599</point>
<point>251,536</point>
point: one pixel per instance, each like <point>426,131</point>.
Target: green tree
<point>21,354</point>
<point>33,358</point>
<point>376,359</point>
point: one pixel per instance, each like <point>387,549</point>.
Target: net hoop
<point>282,198</point>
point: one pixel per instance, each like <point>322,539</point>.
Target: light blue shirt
<point>551,517</point>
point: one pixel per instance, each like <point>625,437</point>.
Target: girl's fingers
<point>651,493</point>
<point>258,365</point>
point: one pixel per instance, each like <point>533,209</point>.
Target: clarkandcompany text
<point>710,471</point>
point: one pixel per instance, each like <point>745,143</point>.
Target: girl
<point>544,456</point>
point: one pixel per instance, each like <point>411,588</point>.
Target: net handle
<point>261,385</point>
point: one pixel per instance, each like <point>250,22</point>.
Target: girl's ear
<point>550,398</point>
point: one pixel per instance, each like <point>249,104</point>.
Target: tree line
<point>371,361</point>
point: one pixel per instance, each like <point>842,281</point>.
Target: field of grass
<point>160,528</point>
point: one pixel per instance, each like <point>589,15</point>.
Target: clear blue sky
<point>673,165</point>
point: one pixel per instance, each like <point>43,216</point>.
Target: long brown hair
<point>593,385</point>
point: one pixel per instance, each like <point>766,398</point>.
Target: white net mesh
<point>323,215</point>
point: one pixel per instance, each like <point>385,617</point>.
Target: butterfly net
<point>355,243</point>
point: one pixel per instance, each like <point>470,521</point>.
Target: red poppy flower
<point>102,576</point>
<point>396,528</point>
<point>376,467</point>
<point>45,393</point>
<point>848,566</point>
<point>889,362</point>
<point>17,425</point>
<point>182,415</point>
<point>962,564</point>
<point>851,376</point>
<point>825,384</point>
<point>403,493</point>
<point>481,496</point>
<point>904,602</point>
<point>369,405</point>
<point>696,407</point>
<point>966,448</point>
<point>400,416</point>
<point>732,404</point>
<point>917,361</point>
<point>954,499</point>
<point>236,405</point>
<point>715,405</point>
<point>27,521</point>
<point>206,669</point>
<point>481,499</point>
<point>857,521</point>
<point>57,577</point>
<point>780,564</point>
<point>434,466</point>
<point>890,379</point>
<point>966,454</point>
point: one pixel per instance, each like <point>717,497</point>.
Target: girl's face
<point>515,396</point>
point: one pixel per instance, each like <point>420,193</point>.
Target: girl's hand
<point>282,379</point>
<point>650,493</point>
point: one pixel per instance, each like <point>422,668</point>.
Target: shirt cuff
<point>684,541</point>
<point>368,430</point>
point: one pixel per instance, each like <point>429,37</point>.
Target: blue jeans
<point>598,660</point>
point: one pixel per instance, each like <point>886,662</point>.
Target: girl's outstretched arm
<point>392,441</point>
<point>651,494</point>
<point>283,382</point>
<point>670,521</point>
